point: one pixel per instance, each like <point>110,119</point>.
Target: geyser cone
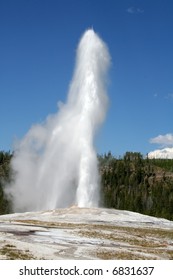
<point>56,163</point>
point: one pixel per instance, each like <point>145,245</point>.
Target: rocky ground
<point>82,233</point>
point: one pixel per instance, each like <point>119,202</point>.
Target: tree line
<point>131,182</point>
<point>5,177</point>
<point>137,184</point>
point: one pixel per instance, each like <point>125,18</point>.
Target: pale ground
<point>82,233</point>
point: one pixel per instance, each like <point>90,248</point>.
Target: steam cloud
<point>55,164</point>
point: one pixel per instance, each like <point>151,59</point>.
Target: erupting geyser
<point>55,164</point>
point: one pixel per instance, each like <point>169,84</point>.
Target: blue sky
<point>38,40</point>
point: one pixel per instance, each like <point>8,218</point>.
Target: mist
<point>55,164</point>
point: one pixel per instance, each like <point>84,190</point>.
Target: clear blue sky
<point>38,40</point>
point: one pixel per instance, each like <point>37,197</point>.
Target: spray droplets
<point>55,164</point>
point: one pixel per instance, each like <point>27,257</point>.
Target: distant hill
<point>137,184</point>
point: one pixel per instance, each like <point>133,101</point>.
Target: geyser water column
<point>55,164</point>
<point>89,84</point>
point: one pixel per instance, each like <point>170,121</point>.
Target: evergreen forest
<point>137,184</point>
<point>131,182</point>
<point>5,177</point>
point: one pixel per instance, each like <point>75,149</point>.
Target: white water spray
<point>55,165</point>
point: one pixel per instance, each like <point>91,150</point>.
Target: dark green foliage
<point>4,178</point>
<point>138,184</point>
<point>166,164</point>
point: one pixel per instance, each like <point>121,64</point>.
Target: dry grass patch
<point>46,224</point>
<point>12,253</point>
<point>106,255</point>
